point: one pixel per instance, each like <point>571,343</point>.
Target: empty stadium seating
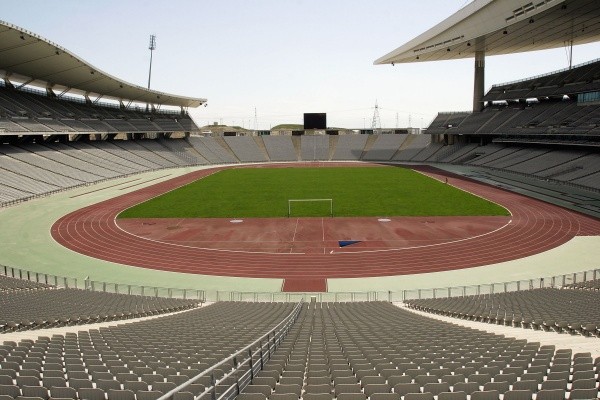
<point>359,351</point>
<point>28,170</point>
<point>35,309</point>
<point>140,361</point>
<point>8,284</point>
<point>280,148</point>
<point>34,111</point>
<point>592,285</point>
<point>560,310</point>
<point>573,80</point>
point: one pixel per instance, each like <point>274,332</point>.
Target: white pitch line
<point>295,230</point>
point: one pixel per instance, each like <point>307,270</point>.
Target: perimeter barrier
<point>556,281</point>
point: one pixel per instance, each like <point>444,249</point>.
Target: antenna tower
<point>376,123</point>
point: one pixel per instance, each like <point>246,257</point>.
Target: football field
<point>344,191</point>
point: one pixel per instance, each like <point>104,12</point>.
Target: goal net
<point>310,207</point>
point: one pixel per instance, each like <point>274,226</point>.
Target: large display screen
<point>315,120</point>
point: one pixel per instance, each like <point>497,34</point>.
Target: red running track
<point>536,227</point>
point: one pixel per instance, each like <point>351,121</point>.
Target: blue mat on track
<point>344,243</point>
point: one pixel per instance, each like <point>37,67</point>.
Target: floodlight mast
<point>151,47</point>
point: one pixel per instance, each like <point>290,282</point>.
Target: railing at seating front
<point>203,295</point>
<point>242,366</point>
<point>556,281</point>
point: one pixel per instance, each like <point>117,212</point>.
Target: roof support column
<point>479,82</point>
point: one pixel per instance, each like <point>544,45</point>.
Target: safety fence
<point>397,295</point>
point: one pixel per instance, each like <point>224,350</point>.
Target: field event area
<point>354,191</point>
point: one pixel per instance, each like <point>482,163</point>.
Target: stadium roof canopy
<point>501,27</point>
<point>29,58</point>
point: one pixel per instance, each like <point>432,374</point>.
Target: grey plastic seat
<point>485,395</point>
<point>582,394</point>
<point>163,386</point>
<point>63,393</point>
<point>500,387</point>
<point>105,376</point>
<point>265,380</point>
<point>385,396</point>
<point>152,378</point>
<point>27,381</point>
<point>316,396</point>
<point>270,373</point>
<point>294,389</point>
<point>436,388</point>
<point>419,396</point>
<point>50,382</point>
<point>353,396</point>
<point>80,383</point>
<point>584,384</point>
<point>518,395</point>
<point>554,384</point>
<point>588,374</point>
<point>291,380</point>
<point>318,389</point>
<point>555,376</point>
<point>423,379</point>
<point>262,389</point>
<point>183,396</point>
<point>10,390</point>
<point>91,394</point>
<point>405,388</point>
<point>526,385</point>
<point>510,378</point>
<point>452,379</point>
<point>6,380</point>
<point>148,395</point>
<point>35,391</point>
<point>467,387</point>
<point>396,379</point>
<point>70,375</point>
<point>251,396</point>
<point>452,396</point>
<point>372,388</point>
<point>108,384</point>
<point>120,394</point>
<point>135,386</point>
<point>368,380</point>
<point>481,379</point>
<point>347,388</point>
<point>284,396</point>
<point>533,376</point>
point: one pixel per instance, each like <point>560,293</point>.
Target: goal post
<point>292,201</point>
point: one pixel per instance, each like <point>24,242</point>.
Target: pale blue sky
<point>282,57</point>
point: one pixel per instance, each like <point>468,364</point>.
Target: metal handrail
<point>272,339</point>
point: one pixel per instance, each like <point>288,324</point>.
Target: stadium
<point>145,257</point>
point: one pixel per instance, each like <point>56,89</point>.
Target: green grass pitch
<point>264,192</point>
